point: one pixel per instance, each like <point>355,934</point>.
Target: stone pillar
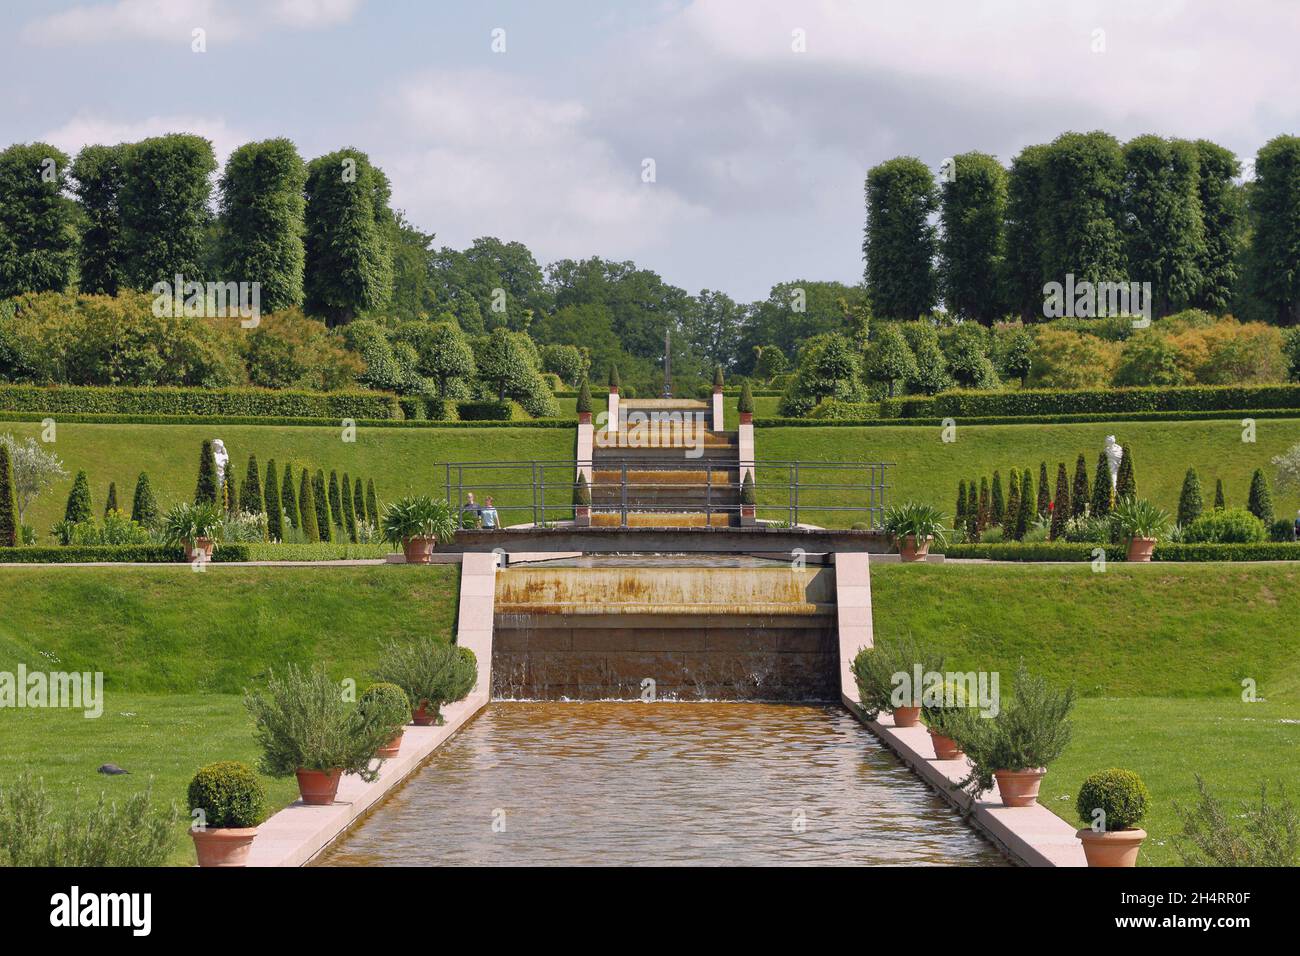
<point>718,417</point>
<point>586,439</point>
<point>745,438</point>
<point>612,425</point>
<point>853,615</point>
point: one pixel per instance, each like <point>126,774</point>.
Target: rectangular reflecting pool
<point>662,784</point>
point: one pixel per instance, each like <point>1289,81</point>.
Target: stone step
<point>660,519</point>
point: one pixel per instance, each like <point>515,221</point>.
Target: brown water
<point>662,784</point>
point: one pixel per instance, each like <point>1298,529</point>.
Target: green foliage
<point>386,704</point>
<point>568,362</point>
<point>308,520</point>
<point>37,239</point>
<point>1120,795</point>
<point>747,494</point>
<point>430,672</point>
<point>335,500</point>
<point>224,402</point>
<point>1061,509</point>
<point>1261,499</point>
<point>745,404</point>
<point>1275,215</point>
<point>1053,402</point>
<point>372,502</point>
<point>921,520</point>
<point>229,795</point>
<point>1225,526</point>
<point>359,505</point>
<point>582,492</point>
<point>1125,478</point>
<point>1165,234</point>
<point>78,508</point>
<point>349,515</point>
<point>251,500</point>
<point>186,522</point>
<point>1044,492</point>
<point>110,501</point>
<point>34,832</point>
<point>1080,494</point>
<point>9,537</point>
<point>584,398</point>
<point>261,220</point>
<point>205,489</point>
<point>899,244</point>
<point>828,368</point>
<point>163,205</point>
<point>303,722</point>
<point>966,348</point>
<point>320,496</point>
<point>1024,517</point>
<point>1102,491</point>
<point>974,206</point>
<point>1139,518</point>
<point>1190,503</point>
<point>959,513</point>
<point>418,516</point>
<point>98,174</point>
<point>1012,512</point>
<point>144,505</point>
<point>1082,185</point>
<point>274,505</point>
<point>885,674</point>
<point>613,377</point>
<point>998,512</point>
<point>890,359</point>
<point>1223,219</point>
<point>34,469</point>
<point>1262,834</point>
<point>289,499</point>
<point>1219,501</point>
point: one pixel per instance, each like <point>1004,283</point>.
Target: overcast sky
<point>761,117</point>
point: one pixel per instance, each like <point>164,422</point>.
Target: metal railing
<point>542,491</point>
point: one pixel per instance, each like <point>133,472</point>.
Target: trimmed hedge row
<point>126,554</point>
<point>1080,418</point>
<point>1066,551</point>
<point>251,402</point>
<point>1195,398</point>
<point>305,422</point>
<point>322,551</point>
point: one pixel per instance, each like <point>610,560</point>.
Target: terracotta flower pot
<point>907,716</point>
<point>1019,788</point>
<point>418,550</point>
<point>200,549</point>
<point>1114,848</point>
<point>318,787</point>
<point>223,846</point>
<point>1139,549</point>
<point>945,748</point>
<point>424,715</point>
<point>584,418</point>
<point>746,418</point>
<point>911,549</point>
<point>392,748</point>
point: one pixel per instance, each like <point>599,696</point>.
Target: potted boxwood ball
<point>387,703</point>
<point>1112,803</point>
<point>914,526</point>
<point>226,805</point>
<point>946,720</point>
<point>431,673</point>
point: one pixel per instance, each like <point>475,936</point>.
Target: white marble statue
<point>223,458</point>
<point>1113,455</point>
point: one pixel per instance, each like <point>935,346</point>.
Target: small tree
<point>206,491</point>
<point>274,507</point>
<point>34,469</point>
<point>747,495</point>
<point>890,359</point>
<point>985,514</point>
<point>144,506</point>
<point>78,508</point>
<point>613,378</point>
<point>1013,503</point>
<point>959,513</point>
<point>584,398</point>
<point>8,502</point>
<point>1126,480</point>
<point>1219,502</point>
<point>1061,504</point>
<point>717,376</point>
<point>349,516</point>
<point>1044,491</point>
<point>746,403</point>
<point>307,509</point>
<point>1102,490</point>
<point>1024,518</point>
<point>320,498</point>
<point>110,502</point>
<point>581,492</point>
<point>336,500</point>
<point>359,504</point>
<point>1190,504</point>
<point>1079,494</point>
<point>999,504</point>
<point>1261,499</point>
<point>251,500</point>
<point>972,510</point>
<point>372,502</point>
<point>230,494</point>
<point>289,500</point>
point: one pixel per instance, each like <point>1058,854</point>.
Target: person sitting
<point>489,515</point>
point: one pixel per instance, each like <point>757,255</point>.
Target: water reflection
<point>662,784</point>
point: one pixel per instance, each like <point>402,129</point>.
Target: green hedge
<point>1065,551</point>
<point>491,410</point>
<point>323,551</point>
<point>251,402</point>
<point>302,422</point>
<point>1081,418</point>
<point>1195,398</point>
<point>129,554</point>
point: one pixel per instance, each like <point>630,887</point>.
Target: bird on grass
<point>112,769</point>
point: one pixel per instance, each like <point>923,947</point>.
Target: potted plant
<point>748,499</point>
<point>1112,803</point>
<point>306,728</point>
<point>195,527</point>
<point>582,502</point>
<point>1015,747</point>
<point>886,675</point>
<point>226,804</point>
<point>387,703</point>
<point>946,719</point>
<point>431,673</point>
<point>584,403</point>
<point>417,523</point>
<point>745,407</point>
<point>1142,523</point>
<point>913,527</point>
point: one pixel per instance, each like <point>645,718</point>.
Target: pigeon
<point>112,769</point>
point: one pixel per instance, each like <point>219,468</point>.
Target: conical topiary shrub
<point>289,499</point>
<point>110,502</point>
<point>320,498</point>
<point>78,508</point>
<point>251,499</point>
<point>1061,503</point>
<point>307,510</point>
<point>144,507</point>
<point>8,501</point>
<point>999,504</point>
<point>959,513</point>
<point>1261,499</point>
<point>1025,518</point>
<point>1190,504</point>
<point>206,490</point>
<point>1079,494</point>
<point>1044,491</point>
<point>1219,502</point>
<point>372,503</point>
<point>274,507</point>
<point>1102,490</point>
<point>1013,504</point>
<point>349,516</point>
<point>1126,479</point>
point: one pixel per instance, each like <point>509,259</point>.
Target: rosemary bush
<point>432,673</point>
<point>1212,835</point>
<point>879,670</point>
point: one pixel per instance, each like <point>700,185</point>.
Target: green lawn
<point>928,469</point>
<point>400,460</point>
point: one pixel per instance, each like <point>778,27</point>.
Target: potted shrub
<point>745,406</point>
<point>1016,746</point>
<point>886,674</point>
<point>584,404</point>
<point>748,498</point>
<point>306,728</point>
<point>431,673</point>
<point>195,527</point>
<point>1142,523</point>
<point>417,523</point>
<point>226,805</point>
<point>389,704</point>
<point>946,720</point>
<point>1112,803</point>
<point>913,527</point>
<point>582,502</point>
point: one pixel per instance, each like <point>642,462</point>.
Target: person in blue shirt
<point>489,515</point>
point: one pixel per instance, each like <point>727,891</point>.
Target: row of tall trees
<point>986,239</point>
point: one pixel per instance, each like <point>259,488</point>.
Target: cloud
<point>85,130</point>
<point>173,20</point>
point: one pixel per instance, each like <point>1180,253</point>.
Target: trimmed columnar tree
<point>1219,502</point>
<point>1044,491</point>
<point>336,500</point>
<point>261,221</point>
<point>289,500</point>
<point>1102,489</point>
<point>899,244</point>
<point>959,513</point>
<point>320,498</point>
<point>251,499</point>
<point>144,505</point>
<point>972,510</point>
<point>1261,499</point>
<point>973,209</point>
<point>1061,503</point>
<point>1013,503</point>
<point>307,509</point>
<point>8,501</point>
<point>38,242</point>
<point>78,507</point>
<point>1190,504</point>
<point>206,489</point>
<point>1025,517</point>
<point>349,515</point>
<point>889,359</point>
<point>1082,187</point>
<point>110,500</point>
<point>164,211</point>
<point>359,505</point>
<point>1275,218</point>
<point>274,506</point>
<point>1163,230</point>
<point>230,491</point>
<point>998,503</point>
<point>1079,494</point>
<point>1126,479</point>
<point>372,503</point>
<point>349,259</point>
<point>984,515</point>
<point>98,174</point>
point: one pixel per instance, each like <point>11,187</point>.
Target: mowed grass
<point>400,460</point>
<point>928,469</point>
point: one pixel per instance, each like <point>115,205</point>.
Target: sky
<point>538,121</point>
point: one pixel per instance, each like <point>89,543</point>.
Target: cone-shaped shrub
<point>584,398</point>
<point>1190,504</point>
<point>230,495</point>
<point>959,513</point>
<point>274,507</point>
<point>1061,503</point>
<point>717,376</point>
<point>582,493</point>
<point>1044,491</point>
<point>359,504</point>
<point>972,510</point>
<point>320,498</point>
<point>999,504</point>
<point>1261,499</point>
<point>144,507</point>
<point>746,403</point>
<point>206,491</point>
<point>613,376</point>
<point>1219,503</point>
<point>307,510</point>
<point>1013,503</point>
<point>372,502</point>
<point>8,501</point>
<point>1126,479</point>
<point>336,500</point>
<point>747,495</point>
<point>110,503</point>
<point>984,516</point>
<point>1024,518</point>
<point>1102,490</point>
<point>349,516</point>
<point>251,499</point>
<point>78,508</point>
<point>289,500</point>
<point>1079,493</point>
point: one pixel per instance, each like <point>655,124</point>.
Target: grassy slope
<point>1159,652</point>
<point>929,470</point>
<point>400,460</point>
<point>176,648</point>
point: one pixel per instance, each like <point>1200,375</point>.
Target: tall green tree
<point>349,515</point>
<point>1102,489</point>
<point>99,173</point>
<point>1024,267</point>
<point>251,500</point>
<point>1275,216</point>
<point>349,264</point>
<point>206,490</point>
<point>320,497</point>
<point>144,505</point>
<point>9,532</point>
<point>1079,494</point>
<point>307,508</point>
<point>900,244</point>
<point>261,221</point>
<point>1219,502</point>
<point>288,498</point>
<point>959,513</point>
<point>359,505</point>
<point>1024,518</point>
<point>1044,491</point>
<point>1126,477</point>
<point>78,508</point>
<point>164,211</point>
<point>1190,504</point>
<point>971,251</point>
<point>38,242</point>
<point>1013,504</point>
<point>1082,195</point>
<point>1061,510</point>
<point>1222,221</point>
<point>336,502</point>
<point>1260,503</point>
<point>274,506</point>
<point>999,504</point>
<point>1163,226</point>
<point>889,359</point>
<point>372,503</point>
